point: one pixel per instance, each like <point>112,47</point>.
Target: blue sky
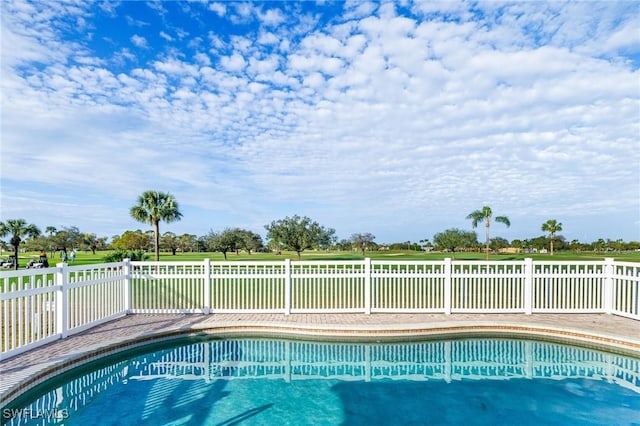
<point>395,118</point>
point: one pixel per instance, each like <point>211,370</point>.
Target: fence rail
<point>40,305</point>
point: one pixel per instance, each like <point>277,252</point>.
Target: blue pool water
<point>282,382</point>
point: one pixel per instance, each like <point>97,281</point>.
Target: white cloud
<point>215,41</point>
<point>358,9</point>
<point>443,8</point>
<point>219,8</point>
<point>136,22</point>
<point>156,6</point>
<point>314,80</point>
<point>139,41</point>
<point>403,124</point>
<point>268,38</point>
<point>36,42</point>
<point>176,67</point>
<point>242,12</point>
<point>109,7</point>
<point>234,62</point>
<point>265,65</point>
<point>626,37</point>
<point>271,17</point>
<point>202,59</point>
<point>181,33</point>
<point>166,36</point>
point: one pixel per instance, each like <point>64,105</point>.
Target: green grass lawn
<point>398,255</point>
<point>84,258</point>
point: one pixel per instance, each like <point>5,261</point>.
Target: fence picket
<point>37,306</point>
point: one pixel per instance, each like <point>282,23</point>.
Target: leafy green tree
<point>153,207</point>
<point>66,238</point>
<point>233,240</point>
<point>538,243</point>
<point>39,243</point>
<point>169,241</point>
<point>226,241</point>
<point>187,242</point>
<point>49,246</point>
<point>633,245</point>
<point>405,245</point>
<point>299,234</point>
<point>561,243</point>
<point>93,243</point>
<point>454,238</point>
<point>618,245</point>
<point>203,243</point>
<point>151,237</point>
<point>250,241</point>
<point>426,245</point>
<point>484,215</point>
<point>18,229</point>
<point>131,240</point>
<point>552,226</point>
<point>575,245</point>
<point>344,245</point>
<point>599,245</point>
<point>498,243</point>
<point>363,241</point>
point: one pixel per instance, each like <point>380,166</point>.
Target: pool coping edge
<point>373,333</point>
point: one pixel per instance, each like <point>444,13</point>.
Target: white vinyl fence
<point>40,305</point>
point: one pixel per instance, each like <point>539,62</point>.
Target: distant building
<point>510,250</point>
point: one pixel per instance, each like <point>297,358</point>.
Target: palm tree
<point>152,207</point>
<point>552,226</point>
<point>18,229</point>
<point>485,215</point>
<point>50,240</point>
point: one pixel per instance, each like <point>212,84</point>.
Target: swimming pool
<point>290,382</point>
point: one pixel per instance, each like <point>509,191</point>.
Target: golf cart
<point>41,262</point>
<point>8,264</point>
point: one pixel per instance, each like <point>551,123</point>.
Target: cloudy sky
<point>395,118</point>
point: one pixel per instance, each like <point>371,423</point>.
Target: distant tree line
<point>235,240</point>
<point>293,233</point>
<point>29,237</point>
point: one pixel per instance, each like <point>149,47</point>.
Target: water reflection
<point>215,363</point>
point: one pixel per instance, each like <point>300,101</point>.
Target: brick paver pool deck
<point>24,371</point>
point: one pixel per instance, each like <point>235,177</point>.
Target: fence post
<point>528,286</point>
<point>447,285</point>
<point>61,277</point>
<point>206,291</point>
<point>126,269</point>
<point>607,288</point>
<point>287,286</point>
<point>367,285</point>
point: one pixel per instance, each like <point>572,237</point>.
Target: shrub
<point>120,254</point>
